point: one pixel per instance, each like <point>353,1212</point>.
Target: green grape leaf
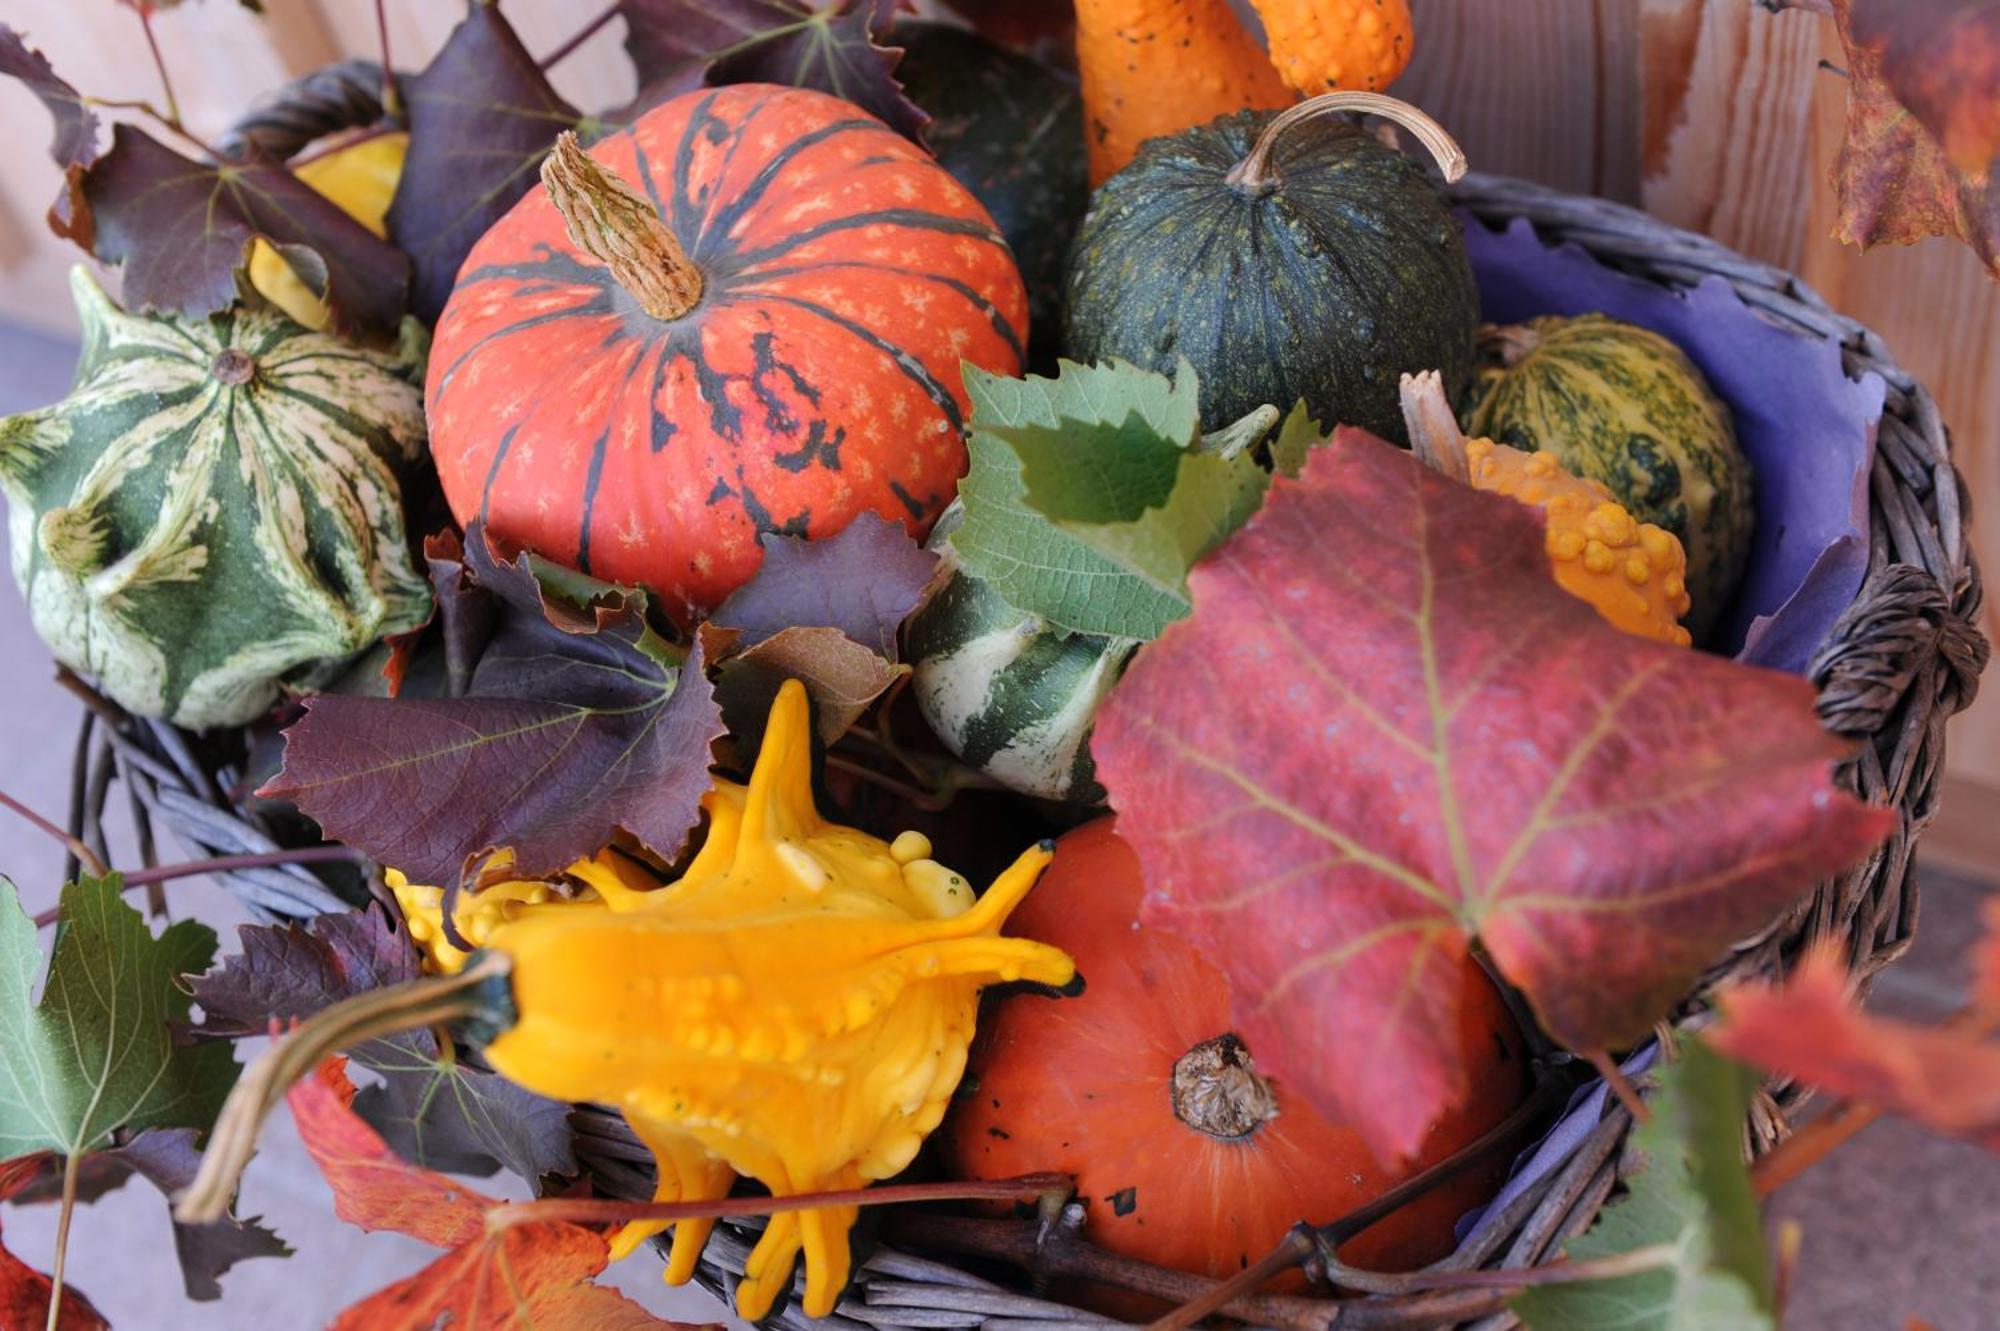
<point>1297,437</point>
<point>1691,1206</point>
<point>100,1052</point>
<point>1092,494</point>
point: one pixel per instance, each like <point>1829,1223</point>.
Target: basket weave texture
<point>1902,659</point>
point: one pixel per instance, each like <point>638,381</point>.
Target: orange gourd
<point>1321,45</point>
<point>1186,1154</point>
<point>1632,573</point>
<point>1152,67</point>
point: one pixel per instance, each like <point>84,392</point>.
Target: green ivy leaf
<point>1297,437</point>
<point>99,1051</point>
<point>1092,494</point>
<point>1693,1200</point>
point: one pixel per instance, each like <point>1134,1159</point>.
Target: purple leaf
<point>862,581</point>
<point>481,119</point>
<point>75,142</point>
<point>579,721</point>
<point>681,44</point>
<point>444,1114</point>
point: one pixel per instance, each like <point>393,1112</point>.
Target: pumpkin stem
<point>1434,434</point>
<point>616,225</point>
<point>1216,1090</point>
<point>233,365</point>
<point>409,1006</point>
<point>1508,344</point>
<point>1256,174</point>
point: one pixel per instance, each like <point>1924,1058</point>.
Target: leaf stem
<point>577,39</point>
<point>1810,1145</point>
<point>603,1211</point>
<point>367,1015</point>
<point>72,1168</point>
<point>84,854</point>
<point>164,873</point>
<point>1614,1077</point>
<point>342,143</point>
<point>145,11</point>
<point>155,114</point>
<point>392,100</point>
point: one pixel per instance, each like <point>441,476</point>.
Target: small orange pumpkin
<point>1185,1154</point>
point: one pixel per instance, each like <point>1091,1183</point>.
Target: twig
<point>581,36</point>
<point>164,873</point>
<point>341,143</point>
<point>1823,8</point>
<point>392,100</point>
<point>155,114</point>
<point>1810,1145</point>
<point>145,11</point>
<point>72,1166</point>
<point>84,854</point>
<point>1303,1241</point>
<point>602,1211</point>
<point>1654,1257</point>
<point>1614,1077</point>
<point>1057,1251</point>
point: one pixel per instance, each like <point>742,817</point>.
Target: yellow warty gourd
<point>361,180</point>
<point>795,1008</point>
<point>1633,573</point>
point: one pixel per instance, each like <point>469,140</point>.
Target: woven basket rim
<point>1903,658</point>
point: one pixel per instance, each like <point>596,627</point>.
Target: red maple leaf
<point>1945,1077</point>
<point>533,1275</point>
<point>1385,731</point>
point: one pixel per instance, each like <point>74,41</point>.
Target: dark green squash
<point>1010,129</point>
<point>1286,257</point>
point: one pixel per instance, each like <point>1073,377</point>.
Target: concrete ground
<point>1897,1224</point>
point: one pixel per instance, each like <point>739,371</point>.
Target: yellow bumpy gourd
<point>361,179</point>
<point>1632,572</point>
<point>795,1008</point>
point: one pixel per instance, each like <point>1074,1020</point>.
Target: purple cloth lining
<point>1806,426</point>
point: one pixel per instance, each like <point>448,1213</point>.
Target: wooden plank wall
<point>1713,114</point>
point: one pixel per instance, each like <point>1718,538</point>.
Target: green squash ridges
<point>1623,406</point>
<point>215,510</point>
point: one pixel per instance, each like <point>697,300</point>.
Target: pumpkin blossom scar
<point>822,985</point>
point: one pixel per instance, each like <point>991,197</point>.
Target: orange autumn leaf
<point>1923,123</point>
<point>1810,1028</point>
<point>525,1276</point>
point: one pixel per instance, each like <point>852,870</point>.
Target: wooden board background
<point>1713,114</point>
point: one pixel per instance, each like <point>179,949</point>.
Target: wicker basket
<point>1901,661</point>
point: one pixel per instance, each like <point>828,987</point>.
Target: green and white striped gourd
<point>214,513</point>
<point>1009,693</point>
<point>1625,407</point>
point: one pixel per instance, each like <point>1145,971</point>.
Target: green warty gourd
<point>214,513</point>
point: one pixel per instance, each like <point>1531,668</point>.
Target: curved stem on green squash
<point>616,225</point>
<point>414,1004</point>
<point>1256,174</point>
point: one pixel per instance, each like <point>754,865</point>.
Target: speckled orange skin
<point>1633,572</point>
<point>845,277</point>
<point>1321,45</point>
<point>1151,67</point>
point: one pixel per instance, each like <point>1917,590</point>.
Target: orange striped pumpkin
<point>589,411</point>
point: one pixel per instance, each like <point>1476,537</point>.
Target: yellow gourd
<point>361,179</point>
<point>796,1007</point>
<point>1632,572</point>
